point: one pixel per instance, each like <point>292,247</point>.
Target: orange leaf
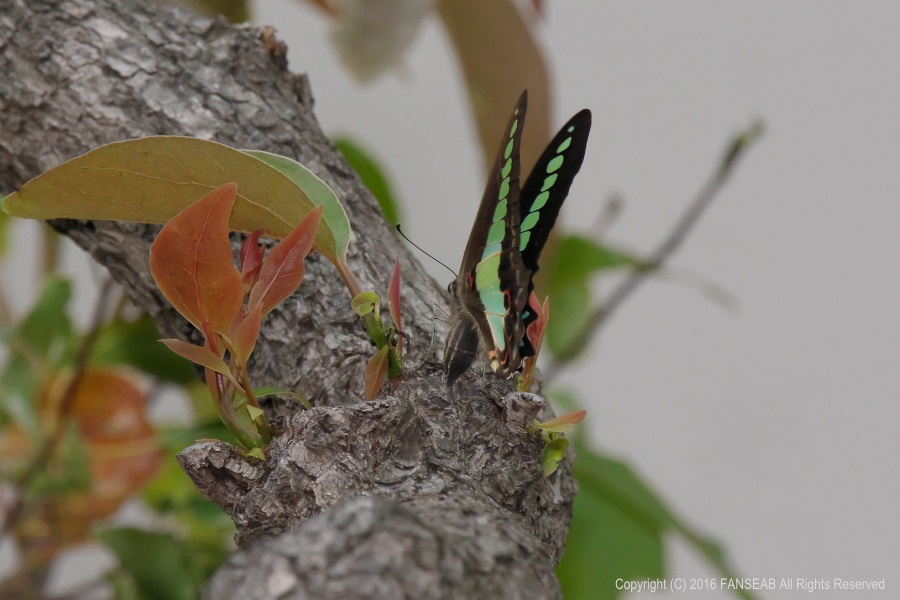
<point>394,303</point>
<point>246,333</point>
<point>251,259</point>
<point>192,263</point>
<point>565,423</point>
<point>376,371</point>
<point>201,355</point>
<point>283,269</point>
<point>110,409</point>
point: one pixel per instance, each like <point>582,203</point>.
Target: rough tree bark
<point>423,493</point>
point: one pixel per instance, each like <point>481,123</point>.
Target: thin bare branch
<point>683,227</point>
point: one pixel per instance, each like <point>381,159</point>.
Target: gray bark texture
<point>426,492</point>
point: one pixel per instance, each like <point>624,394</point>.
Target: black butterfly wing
<point>542,197</point>
<point>548,185</point>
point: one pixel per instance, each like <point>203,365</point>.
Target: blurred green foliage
<point>372,176</point>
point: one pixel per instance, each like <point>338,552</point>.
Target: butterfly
<point>491,308</point>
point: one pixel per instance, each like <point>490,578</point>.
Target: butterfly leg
<point>429,354</point>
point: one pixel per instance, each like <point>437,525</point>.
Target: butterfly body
<point>491,294</point>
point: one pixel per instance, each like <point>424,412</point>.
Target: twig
<point>669,245</point>
<point>46,450</point>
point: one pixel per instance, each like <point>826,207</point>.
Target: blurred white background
<point>773,427</point>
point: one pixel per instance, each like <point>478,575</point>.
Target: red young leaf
<point>538,328</point>
<point>201,355</point>
<point>536,332</point>
<point>394,302</point>
<point>283,269</point>
<point>192,262</point>
<point>376,371</point>
<point>245,334</point>
<point>565,423</point>
<point>251,259</point>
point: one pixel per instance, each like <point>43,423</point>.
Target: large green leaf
<point>318,191</point>
<point>152,179</point>
<point>576,260</point>
<point>617,530</point>
<point>606,544</point>
<point>136,343</point>
<point>372,176</point>
<point>617,481</point>
<point>579,257</point>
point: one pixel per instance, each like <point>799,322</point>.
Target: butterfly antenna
<point>400,231</point>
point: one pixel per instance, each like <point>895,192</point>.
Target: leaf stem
<point>350,280</point>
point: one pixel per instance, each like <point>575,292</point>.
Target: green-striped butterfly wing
<point>501,257</point>
<point>548,185</point>
<point>542,197</point>
<point>491,290</point>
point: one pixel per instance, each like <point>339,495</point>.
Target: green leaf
<point>47,329</point>
<point>553,452</point>
<point>122,585</point>
<point>616,532</point>
<point>571,311</point>
<point>372,175</point>
<point>152,179</point>
<point>606,544</point>
<point>318,191</point>
<point>73,474</point>
<point>616,481</point>
<point>257,453</point>
<point>576,260</point>
<point>578,257</point>
<point>365,303</point>
<point>18,394</point>
<point>43,341</point>
<point>159,564</point>
<point>172,489</point>
<point>136,343</point>
<point>617,507</point>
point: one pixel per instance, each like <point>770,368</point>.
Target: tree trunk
<point>427,492</point>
